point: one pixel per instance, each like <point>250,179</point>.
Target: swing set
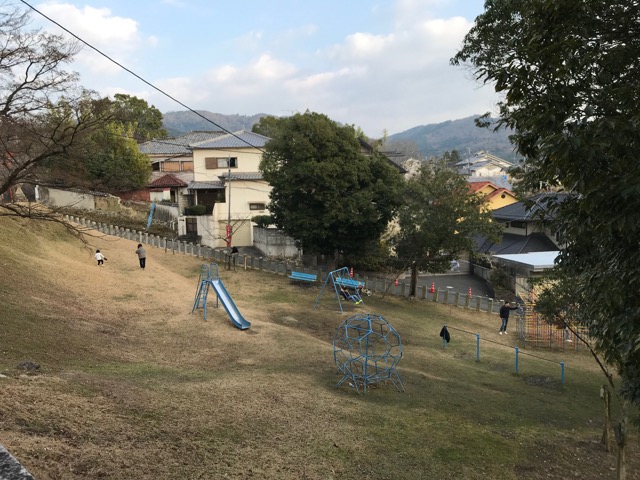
<point>341,281</point>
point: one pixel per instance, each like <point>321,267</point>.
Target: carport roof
<point>205,186</point>
<point>535,261</point>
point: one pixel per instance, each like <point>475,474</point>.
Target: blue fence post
<point>516,359</point>
<point>477,347</point>
<point>444,342</point>
<point>562,373</point>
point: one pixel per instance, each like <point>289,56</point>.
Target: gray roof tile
<point>241,139</point>
<point>178,145</point>
<point>243,176</point>
<point>205,186</point>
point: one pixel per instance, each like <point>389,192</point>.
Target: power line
<point>138,76</point>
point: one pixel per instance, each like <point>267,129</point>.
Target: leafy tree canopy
<point>327,194</point>
<point>268,126</point>
<point>144,119</point>
<point>569,71</point>
<point>439,218</point>
<point>114,162</point>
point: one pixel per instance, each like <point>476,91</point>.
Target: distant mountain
<point>178,123</point>
<point>434,139</point>
<point>428,140</point>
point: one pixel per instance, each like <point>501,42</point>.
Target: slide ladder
<point>209,278</point>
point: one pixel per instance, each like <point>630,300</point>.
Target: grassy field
<point>133,386</point>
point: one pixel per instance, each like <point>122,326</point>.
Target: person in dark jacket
<point>142,255</point>
<point>505,310</point>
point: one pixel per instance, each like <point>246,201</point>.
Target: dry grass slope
<point>132,385</point>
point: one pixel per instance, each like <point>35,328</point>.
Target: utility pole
<point>229,232</point>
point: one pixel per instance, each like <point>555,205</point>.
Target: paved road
<point>459,282</point>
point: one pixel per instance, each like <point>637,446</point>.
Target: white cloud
<point>116,36</point>
<point>394,76</point>
<point>267,67</point>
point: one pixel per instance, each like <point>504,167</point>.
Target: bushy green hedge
<point>262,220</point>
<point>196,210</point>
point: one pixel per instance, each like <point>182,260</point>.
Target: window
<point>211,163</point>
<point>187,166</point>
<point>257,206</point>
<point>517,224</point>
<point>171,167</point>
<point>192,225</point>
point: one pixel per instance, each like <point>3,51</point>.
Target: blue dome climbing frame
<point>366,350</point>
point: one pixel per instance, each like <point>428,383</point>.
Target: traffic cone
<point>351,272</point>
<point>469,292</point>
<point>433,287</point>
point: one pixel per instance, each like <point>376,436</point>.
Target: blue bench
<point>303,277</point>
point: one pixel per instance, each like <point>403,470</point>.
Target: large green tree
<point>113,160</point>
<point>569,73</point>
<point>438,220</point>
<point>144,120</point>
<point>327,194</point>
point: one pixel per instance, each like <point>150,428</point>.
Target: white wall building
<point>227,181</point>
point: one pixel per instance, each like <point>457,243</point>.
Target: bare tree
<point>44,114</point>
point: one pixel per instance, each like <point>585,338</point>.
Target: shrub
<point>196,210</point>
<point>262,221</point>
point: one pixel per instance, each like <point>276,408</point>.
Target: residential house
<point>167,188</point>
<point>529,245</point>
<point>172,166</point>
<point>173,155</point>
<point>494,197</point>
<point>521,268</point>
<point>483,164</point>
<point>527,228</point>
<point>228,183</point>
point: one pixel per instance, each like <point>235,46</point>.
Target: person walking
<point>505,310</point>
<point>142,255</point>
<point>100,258</point>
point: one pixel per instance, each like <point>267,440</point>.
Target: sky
<point>381,65</point>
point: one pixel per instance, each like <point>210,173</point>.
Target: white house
<point>228,183</point>
<point>483,164</point>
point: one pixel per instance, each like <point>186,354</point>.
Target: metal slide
<point>234,314</point>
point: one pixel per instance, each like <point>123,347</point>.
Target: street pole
<point>229,235</point>
<point>229,206</point>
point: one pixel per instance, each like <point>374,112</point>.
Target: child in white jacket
<point>100,258</point>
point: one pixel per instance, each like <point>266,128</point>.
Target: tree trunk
<point>621,434</point>
<point>414,280</point>
<point>605,394</point>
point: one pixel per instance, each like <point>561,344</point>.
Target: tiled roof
<point>482,156</point>
<point>241,139</point>
<point>205,186</point>
<point>178,145</point>
<point>243,176</point>
<point>498,180</point>
<point>475,186</point>
<point>186,177</point>
<point>531,209</point>
<point>512,243</point>
<point>499,191</point>
<point>168,180</point>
